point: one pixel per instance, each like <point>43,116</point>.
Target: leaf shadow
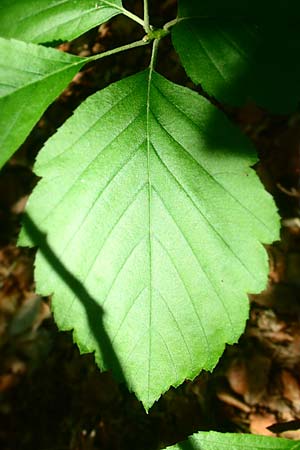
<point>241,52</point>
<point>187,445</point>
<point>94,312</point>
<point>260,87</point>
<point>257,96</point>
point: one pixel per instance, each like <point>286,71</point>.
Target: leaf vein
<point>132,201</point>
<point>127,313</point>
<point>208,53</point>
<point>202,214</point>
<point>177,326</point>
<point>31,15</point>
<point>169,353</point>
<point>92,125</point>
<point>89,211</point>
<point>84,171</point>
<point>208,349</point>
<point>122,267</point>
<point>94,260</point>
<point>203,168</point>
<point>199,264</point>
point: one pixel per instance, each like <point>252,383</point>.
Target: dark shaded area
<point>52,398</point>
<point>186,445</point>
<point>268,75</point>
<point>285,426</point>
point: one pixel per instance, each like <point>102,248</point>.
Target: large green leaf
<point>148,200</point>
<point>235,54</point>
<point>31,77</point>
<point>231,441</point>
<point>52,20</point>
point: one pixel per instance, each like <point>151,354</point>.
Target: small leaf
<point>148,200</point>
<point>31,77</point>
<point>52,20</point>
<point>238,55</point>
<point>232,441</point>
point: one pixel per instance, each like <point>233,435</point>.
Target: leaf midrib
<point>151,69</point>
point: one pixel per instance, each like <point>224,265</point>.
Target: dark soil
<point>51,398</point>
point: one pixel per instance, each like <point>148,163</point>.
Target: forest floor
<point>51,398</point>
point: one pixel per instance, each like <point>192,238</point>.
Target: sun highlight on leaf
<point>233,441</point>
<point>141,201</point>
<point>52,20</point>
<point>31,77</point>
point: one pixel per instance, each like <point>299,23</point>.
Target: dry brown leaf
<point>260,422</point>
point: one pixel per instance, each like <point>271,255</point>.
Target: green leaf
<point>31,77</point>
<point>231,441</point>
<point>237,56</point>
<point>51,20</point>
<point>148,200</point>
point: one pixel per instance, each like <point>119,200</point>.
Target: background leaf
<point>237,55</point>
<point>51,20</point>
<point>231,441</point>
<point>31,77</point>
<point>148,199</point>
